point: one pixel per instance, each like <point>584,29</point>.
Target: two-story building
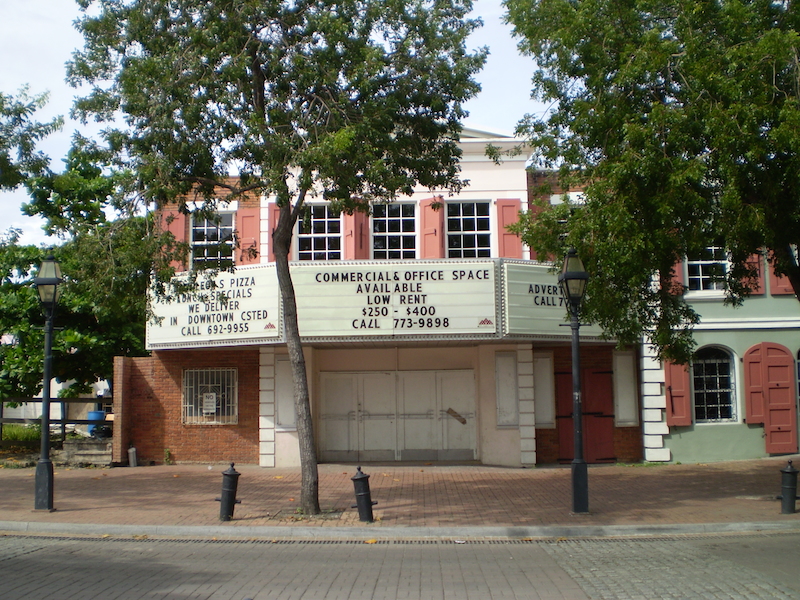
<point>429,334</point>
<point>738,397</point>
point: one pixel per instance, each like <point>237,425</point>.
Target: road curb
<point>393,533</point>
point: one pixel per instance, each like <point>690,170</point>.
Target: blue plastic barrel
<point>95,415</point>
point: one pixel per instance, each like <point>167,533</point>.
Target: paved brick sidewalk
<point>409,496</point>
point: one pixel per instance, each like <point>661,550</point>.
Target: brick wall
<point>628,444</point>
<point>546,446</point>
<point>149,394</point>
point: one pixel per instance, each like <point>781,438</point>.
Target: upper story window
<point>319,235</point>
<point>707,272</point>
<point>394,234</point>
<point>712,374</point>
<point>468,230</point>
<point>212,241</point>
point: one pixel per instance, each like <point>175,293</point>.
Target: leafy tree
<point>20,363</point>
<point>107,264</point>
<point>100,313</point>
<point>682,119</point>
<point>19,134</point>
<point>351,100</point>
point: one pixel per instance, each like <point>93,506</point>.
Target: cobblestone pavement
<point>753,567</point>
<point>679,568</point>
<point>419,495</point>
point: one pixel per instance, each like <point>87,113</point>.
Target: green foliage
<point>107,264</point>
<point>19,134</point>
<point>362,98</point>
<point>13,432</point>
<point>681,119</point>
<point>101,311</point>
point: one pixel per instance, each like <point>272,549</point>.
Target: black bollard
<point>788,489</point>
<point>230,481</point>
<point>363,497</point>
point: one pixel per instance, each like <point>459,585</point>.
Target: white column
<point>266,407</point>
<point>654,404</point>
<point>527,417</point>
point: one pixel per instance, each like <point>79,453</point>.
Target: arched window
<point>712,375</point>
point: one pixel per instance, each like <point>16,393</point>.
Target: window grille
<point>319,236</point>
<point>394,233</point>
<point>468,230</point>
<point>707,272</point>
<point>210,397</point>
<point>212,242</point>
<point>712,374</point>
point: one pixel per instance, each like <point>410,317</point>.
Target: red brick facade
<point>147,408</point>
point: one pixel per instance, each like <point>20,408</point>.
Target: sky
<point>37,38</point>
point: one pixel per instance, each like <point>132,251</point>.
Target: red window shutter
<point>248,231</point>
<point>771,391</point>
<point>779,285</point>
<point>678,392</point>
<point>356,236</point>
<point>509,244</point>
<point>754,401</point>
<point>174,222</point>
<point>432,228</point>
<point>678,276</point>
<point>757,261</point>
<point>273,214</point>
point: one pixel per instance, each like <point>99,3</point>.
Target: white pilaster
<point>266,407</point>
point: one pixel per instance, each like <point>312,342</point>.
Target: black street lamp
<point>46,282</point>
<point>573,281</point>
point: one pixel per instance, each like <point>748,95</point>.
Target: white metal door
<point>377,408</point>
<point>456,403</point>
<point>409,415</point>
<point>338,425</point>
<point>418,429</point>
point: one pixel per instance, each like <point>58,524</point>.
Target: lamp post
<point>46,282</point>
<point>573,281</point>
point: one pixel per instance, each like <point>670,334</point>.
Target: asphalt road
<point>740,566</point>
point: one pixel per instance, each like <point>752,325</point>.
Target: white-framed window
<point>394,231</point>
<point>468,229</point>
<point>210,397</point>
<point>713,387</point>
<point>706,273</point>
<point>213,241</point>
<point>319,235</point>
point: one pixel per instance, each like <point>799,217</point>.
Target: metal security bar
<point>210,397</point>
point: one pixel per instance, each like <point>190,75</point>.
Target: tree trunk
<point>282,238</point>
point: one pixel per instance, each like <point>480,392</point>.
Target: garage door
<point>410,415</point>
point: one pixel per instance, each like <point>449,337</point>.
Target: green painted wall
<point>715,442</point>
<point>760,319</point>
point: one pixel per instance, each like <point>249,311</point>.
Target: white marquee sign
<point>377,300</point>
<point>396,299</point>
<point>242,307</point>
<point>534,304</point>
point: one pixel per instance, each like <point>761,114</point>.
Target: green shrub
<point>13,432</point>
